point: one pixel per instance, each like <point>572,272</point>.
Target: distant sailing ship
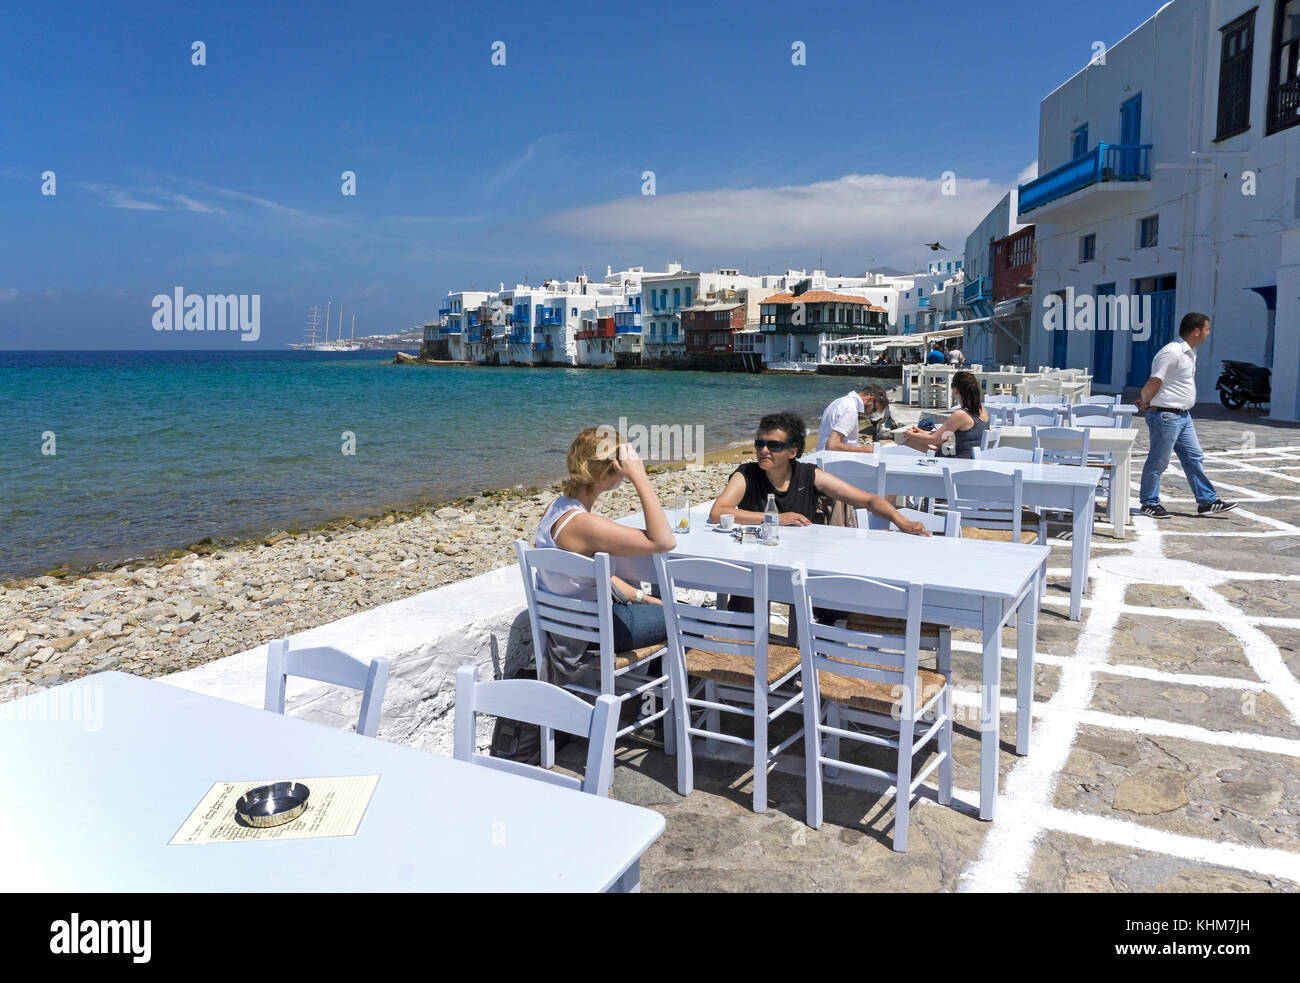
<point>313,321</point>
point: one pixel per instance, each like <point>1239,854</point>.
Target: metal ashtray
<point>272,805</point>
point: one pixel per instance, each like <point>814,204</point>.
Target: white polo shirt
<point>841,416</point>
<point>1175,367</point>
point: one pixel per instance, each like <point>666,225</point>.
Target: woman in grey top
<point>963,431</point>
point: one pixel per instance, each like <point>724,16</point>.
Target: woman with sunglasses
<point>795,484</point>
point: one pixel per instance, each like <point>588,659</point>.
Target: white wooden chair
<point>327,665</point>
<point>535,702</point>
<point>862,475</point>
<point>1103,399</point>
<point>1062,445</point>
<point>992,436</point>
<point>1000,400</point>
<point>869,681</point>
<point>729,658</point>
<point>991,505</point>
<point>1008,454</point>
<point>628,675</point>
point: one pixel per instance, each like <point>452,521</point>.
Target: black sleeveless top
<point>800,495</point>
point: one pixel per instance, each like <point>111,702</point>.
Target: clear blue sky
<point>226,178</point>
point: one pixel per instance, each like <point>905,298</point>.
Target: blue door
<point>1130,133</point>
<point>1141,353</point>
<point>1079,144</point>
<point>1060,343</point>
<point>1103,344</point>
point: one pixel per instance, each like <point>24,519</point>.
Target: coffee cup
<point>727,521</point>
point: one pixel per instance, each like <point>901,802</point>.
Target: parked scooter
<point>1243,382</point>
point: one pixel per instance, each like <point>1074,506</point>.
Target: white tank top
<point>563,509</point>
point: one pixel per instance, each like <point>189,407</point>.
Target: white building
<point>1169,178</point>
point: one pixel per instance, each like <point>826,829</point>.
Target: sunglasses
<point>773,445</point>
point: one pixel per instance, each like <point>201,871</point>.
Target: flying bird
<point>935,246</point>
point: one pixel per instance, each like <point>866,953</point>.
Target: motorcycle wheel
<point>1233,401</point>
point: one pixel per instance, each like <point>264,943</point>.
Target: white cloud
<point>886,213</point>
<point>546,142</point>
<point>7,294</point>
<point>1028,174</point>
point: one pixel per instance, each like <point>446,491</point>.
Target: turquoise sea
<point>155,450</point>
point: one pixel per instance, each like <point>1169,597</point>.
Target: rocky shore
<point>217,600</point>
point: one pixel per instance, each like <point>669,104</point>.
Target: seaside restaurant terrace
<point>1042,694</point>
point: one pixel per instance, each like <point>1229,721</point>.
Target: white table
<point>1117,441</point>
<point>966,584</point>
<point>93,809</point>
<point>1046,486</point>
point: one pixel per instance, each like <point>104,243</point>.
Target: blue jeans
<point>1174,432</point>
<point>638,624</point>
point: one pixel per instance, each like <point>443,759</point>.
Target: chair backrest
<point>862,475</point>
<point>693,626</point>
<point>532,701</point>
<point>1009,454</point>
<point>1000,400</point>
<point>1062,445</point>
<point>948,524</point>
<point>865,655</point>
<point>327,665</point>
<point>1036,415</point>
<point>986,499</point>
<point>898,450</point>
<point>1047,399</point>
<point>1095,415</point>
<point>562,615</point>
<point>1104,399</point>
<point>991,437</point>
<point>999,413</point>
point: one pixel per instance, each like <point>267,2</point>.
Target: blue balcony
<point>444,311</point>
<point>923,301</point>
<point>550,316</point>
<point>1105,163</point>
<point>626,328</point>
<point>981,288</point>
<point>520,316</point>
<point>543,346</point>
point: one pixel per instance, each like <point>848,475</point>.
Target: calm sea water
<point>156,450</point>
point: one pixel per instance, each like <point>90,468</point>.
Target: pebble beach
<point>166,616</point>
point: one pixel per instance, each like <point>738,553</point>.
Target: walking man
<point>1167,399</point>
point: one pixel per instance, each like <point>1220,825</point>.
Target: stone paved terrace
<point>1165,753</point>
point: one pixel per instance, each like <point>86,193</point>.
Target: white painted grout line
<point>1267,861</point>
<point>1269,521</point>
<point>1025,807</point>
<point>1261,652</point>
<point>1008,850</point>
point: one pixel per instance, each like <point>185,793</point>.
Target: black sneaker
<point>1215,507</point>
<point>1157,511</point>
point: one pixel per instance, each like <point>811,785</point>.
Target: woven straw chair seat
<point>624,659</point>
<point>887,626</point>
<point>739,669</point>
<point>997,535</point>
<point>873,695</point>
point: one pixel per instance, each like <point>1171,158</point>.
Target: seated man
<point>839,425</point>
<point>795,484</point>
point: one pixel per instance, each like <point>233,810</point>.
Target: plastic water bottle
<point>771,522</point>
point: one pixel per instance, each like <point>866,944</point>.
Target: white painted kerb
<point>426,637</point>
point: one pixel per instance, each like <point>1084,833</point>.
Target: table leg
<point>1080,546</point>
<point>1121,474</point>
<point>990,703</point>
<point>1026,640</point>
<point>629,882</point>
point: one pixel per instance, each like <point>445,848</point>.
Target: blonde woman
<point>597,462</point>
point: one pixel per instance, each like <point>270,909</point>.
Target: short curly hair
<point>791,423</point>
